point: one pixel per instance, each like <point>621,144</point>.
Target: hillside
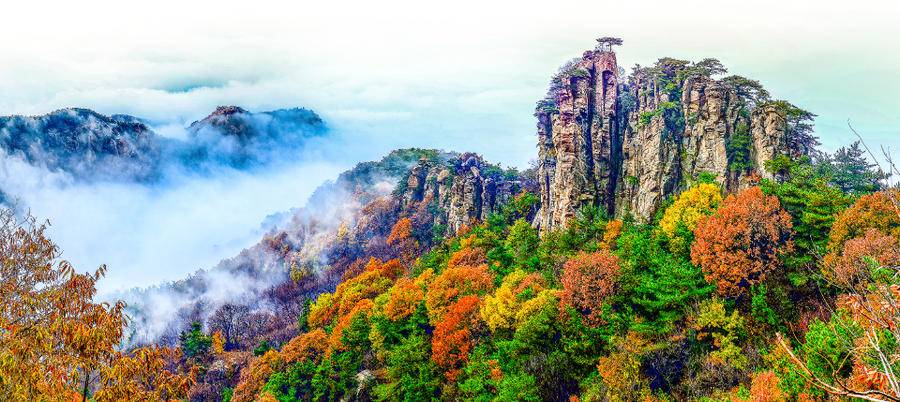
<point>681,238</point>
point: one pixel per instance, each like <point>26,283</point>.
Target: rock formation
<point>459,189</point>
<point>626,144</point>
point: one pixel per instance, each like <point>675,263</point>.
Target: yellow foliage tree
<point>499,310</point>
<point>218,342</point>
<point>689,208</point>
<point>145,374</point>
<point>55,340</point>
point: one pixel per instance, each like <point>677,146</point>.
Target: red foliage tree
<point>741,243</point>
<point>588,279</point>
<point>452,340</point>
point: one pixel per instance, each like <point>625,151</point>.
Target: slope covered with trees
<point>772,284</point>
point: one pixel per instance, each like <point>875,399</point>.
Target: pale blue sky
<point>462,75</point>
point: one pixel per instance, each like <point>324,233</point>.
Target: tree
<point>709,67</point>
<point>799,137</point>
<point>452,339</point>
<point>872,211</point>
<point>499,310</point>
<point>764,388</point>
<point>607,42</point>
<point>854,353</point>
<point>522,242</point>
<point>194,342</point>
<point>588,280</point>
<point>401,237</point>
<point>454,284</point>
<point>690,207</point>
<point>742,241</point>
<point>749,90</point>
<point>665,284</point>
<point>853,173</point>
<point>229,319</point>
<point>56,342</point>
<point>724,331</point>
<point>53,337</point>
<point>853,264</point>
<point>254,376</point>
<point>812,203</point>
<point>144,374</point>
<point>411,374</point>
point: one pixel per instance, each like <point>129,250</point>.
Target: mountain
<point>84,143</point>
<point>91,146</point>
<point>343,225</point>
<point>680,238</point>
<point>627,143</point>
<point>232,136</point>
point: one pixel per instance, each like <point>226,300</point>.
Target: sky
<point>460,75</point>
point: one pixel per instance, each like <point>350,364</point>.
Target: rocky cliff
<point>459,189</point>
<point>626,143</point>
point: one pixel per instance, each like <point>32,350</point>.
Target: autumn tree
<point>53,336</point>
<point>742,241</point>
<point>690,207</point>
<point>855,261</point>
<point>588,280</point>
<point>873,211</point>
<point>144,374</point>
<point>401,238</point>
<point>56,341</point>
<point>453,284</point>
<point>452,339</point>
<point>501,309</point>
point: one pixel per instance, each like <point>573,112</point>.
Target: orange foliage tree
<point>401,237</point>
<point>452,340</point>
<point>742,241</point>
<point>305,346</point>
<point>588,279</point>
<point>872,211</point>
<point>764,388</point>
<point>254,376</point>
<point>376,279</point>
<point>453,284</point>
<point>405,296</point>
<point>54,339</point>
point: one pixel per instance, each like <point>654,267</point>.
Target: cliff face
<point>458,189</point>
<point>624,144</point>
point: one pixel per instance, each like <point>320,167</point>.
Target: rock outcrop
<point>458,189</point>
<point>626,144</point>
